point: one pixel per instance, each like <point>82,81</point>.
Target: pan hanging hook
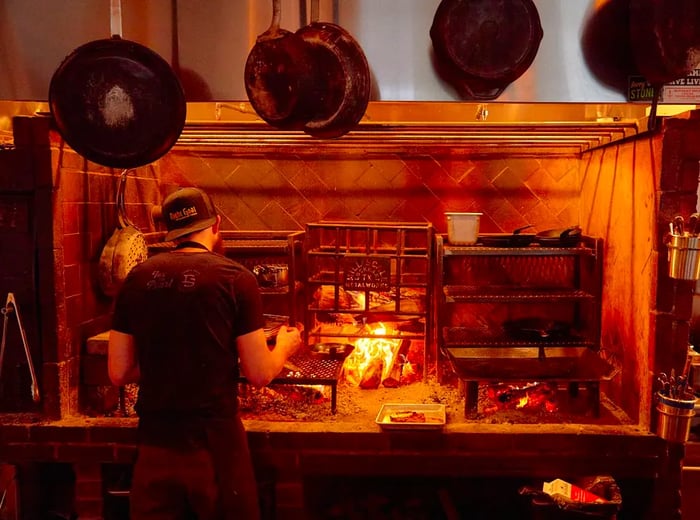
<point>12,308</point>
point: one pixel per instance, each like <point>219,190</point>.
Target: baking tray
<point>434,414</point>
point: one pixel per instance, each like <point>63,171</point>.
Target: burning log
<point>531,395</point>
<point>372,360</point>
<point>394,373</point>
<point>372,376</point>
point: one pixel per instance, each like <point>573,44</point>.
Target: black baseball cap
<point>187,210</point>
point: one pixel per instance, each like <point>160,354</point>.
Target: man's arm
<point>259,364</point>
<point>122,365</point>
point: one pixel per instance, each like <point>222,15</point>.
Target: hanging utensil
<point>12,308</point>
<point>125,248</point>
<point>280,76</point>
<point>678,225</point>
<point>693,224</point>
<point>117,102</point>
<point>344,82</point>
<point>482,46</point>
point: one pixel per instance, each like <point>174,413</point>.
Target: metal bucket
<point>674,418</point>
<point>684,257</point>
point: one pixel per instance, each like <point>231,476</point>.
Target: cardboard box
<point>571,492</point>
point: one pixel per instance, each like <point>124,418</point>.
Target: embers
<point>538,396</point>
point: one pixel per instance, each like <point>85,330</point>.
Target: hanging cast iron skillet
<point>482,46</point>
<point>665,42</point>
<point>344,81</point>
<point>665,38</point>
<point>117,102</point>
<point>280,76</point>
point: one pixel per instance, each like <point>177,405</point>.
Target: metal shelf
<point>477,294</point>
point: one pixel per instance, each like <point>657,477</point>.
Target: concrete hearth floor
<point>290,408</point>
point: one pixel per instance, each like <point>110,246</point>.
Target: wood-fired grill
<point>369,284</point>
<point>521,315</point>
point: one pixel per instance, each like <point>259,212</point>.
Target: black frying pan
<point>537,329</point>
<point>568,237</point>
<point>482,46</point>
<point>514,239</point>
<point>117,102</point>
<point>344,80</point>
<point>280,76</point>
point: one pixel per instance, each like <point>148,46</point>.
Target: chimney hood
<point>405,126</point>
<point>583,56</point>
<point>571,99</point>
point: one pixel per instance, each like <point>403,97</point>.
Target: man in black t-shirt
<point>185,323</point>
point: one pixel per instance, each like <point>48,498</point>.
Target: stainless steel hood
<point>208,42</point>
<point>572,98</point>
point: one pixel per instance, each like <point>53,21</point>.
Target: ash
<point>300,403</point>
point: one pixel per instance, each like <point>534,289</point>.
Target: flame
<point>529,396</point>
<point>369,353</point>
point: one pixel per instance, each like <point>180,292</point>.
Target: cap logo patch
<point>182,214</point>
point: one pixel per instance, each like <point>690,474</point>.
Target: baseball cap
<point>187,210</point>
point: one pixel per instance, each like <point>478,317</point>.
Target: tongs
<point>12,308</point>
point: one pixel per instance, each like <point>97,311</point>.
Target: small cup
<point>463,228</point>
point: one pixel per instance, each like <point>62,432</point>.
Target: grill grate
<point>313,371</point>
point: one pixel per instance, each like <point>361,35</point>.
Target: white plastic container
<point>463,228</point>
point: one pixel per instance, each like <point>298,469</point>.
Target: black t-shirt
<point>185,311</point>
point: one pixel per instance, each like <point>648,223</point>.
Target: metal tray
<point>434,415</point>
<point>562,363</point>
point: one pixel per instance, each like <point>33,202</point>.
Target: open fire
<point>534,396</point>
<point>380,360</point>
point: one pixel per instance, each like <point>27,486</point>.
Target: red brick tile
<point>58,434</point>
<point>85,452</point>
<point>126,435</point>
<point>88,489</point>
<point>16,452</point>
<point>13,433</point>
<point>125,454</point>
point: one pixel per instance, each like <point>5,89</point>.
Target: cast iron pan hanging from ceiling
<point>343,79</point>
<point>116,102</point>
<point>280,76</point>
<point>665,42</point>
<point>481,46</point>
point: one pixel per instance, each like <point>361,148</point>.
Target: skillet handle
<point>115,18</point>
<point>122,219</point>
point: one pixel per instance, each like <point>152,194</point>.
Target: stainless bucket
<point>674,418</point>
<point>684,257</point>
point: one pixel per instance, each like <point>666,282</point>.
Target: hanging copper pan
<point>343,84</point>
<point>279,76</point>
<point>117,102</point>
<point>481,46</point>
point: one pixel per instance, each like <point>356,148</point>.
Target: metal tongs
<point>679,227</point>
<point>10,308</point>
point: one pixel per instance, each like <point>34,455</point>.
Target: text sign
<point>368,274</point>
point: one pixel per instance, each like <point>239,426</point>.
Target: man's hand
<point>289,340</point>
